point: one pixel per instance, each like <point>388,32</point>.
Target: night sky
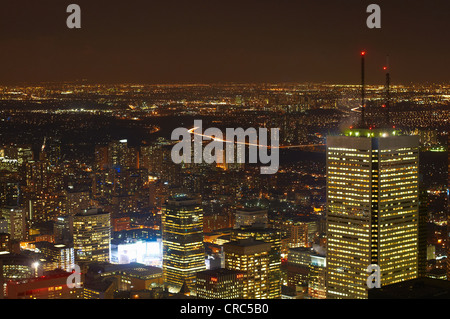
<point>170,41</point>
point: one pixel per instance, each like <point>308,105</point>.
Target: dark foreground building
<point>419,288</point>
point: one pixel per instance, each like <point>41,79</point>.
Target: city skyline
<point>109,147</point>
<point>120,130</point>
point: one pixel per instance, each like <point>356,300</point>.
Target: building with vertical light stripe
<point>372,209</point>
<point>182,238</point>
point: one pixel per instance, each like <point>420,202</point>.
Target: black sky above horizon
<point>200,41</point>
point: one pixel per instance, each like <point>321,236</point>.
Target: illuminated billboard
<point>144,252</point>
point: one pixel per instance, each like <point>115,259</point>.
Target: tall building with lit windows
<point>92,236</point>
<point>15,217</point>
<point>317,277</point>
<point>182,238</point>
<point>58,256</point>
<point>251,257</point>
<point>273,237</point>
<point>372,209</point>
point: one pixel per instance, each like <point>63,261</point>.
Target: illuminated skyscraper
<point>300,231</point>
<point>182,235</point>
<point>58,256</point>
<point>273,237</point>
<point>120,156</point>
<point>317,277</point>
<point>251,257</point>
<point>372,209</point>
<point>92,236</point>
<point>15,217</point>
<point>101,158</point>
<point>296,271</point>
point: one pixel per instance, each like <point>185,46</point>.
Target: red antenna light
<point>384,67</point>
<point>363,52</point>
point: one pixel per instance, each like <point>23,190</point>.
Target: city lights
<point>224,159</point>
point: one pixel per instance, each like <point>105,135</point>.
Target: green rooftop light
<point>371,133</point>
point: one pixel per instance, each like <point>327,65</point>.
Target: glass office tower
<point>182,237</point>
<point>92,236</point>
<point>372,209</point>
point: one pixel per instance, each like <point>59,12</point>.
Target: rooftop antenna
<point>363,102</point>
<point>387,91</point>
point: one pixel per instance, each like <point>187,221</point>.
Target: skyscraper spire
<point>387,91</point>
<point>363,102</point>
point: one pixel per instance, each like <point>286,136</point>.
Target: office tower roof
<point>247,246</point>
<point>91,212</point>
<point>182,200</point>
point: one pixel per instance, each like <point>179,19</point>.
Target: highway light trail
<point>192,131</point>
